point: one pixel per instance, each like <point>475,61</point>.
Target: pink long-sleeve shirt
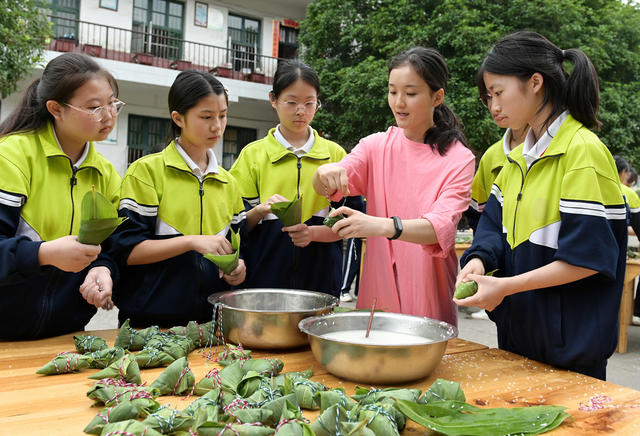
<point>400,177</point>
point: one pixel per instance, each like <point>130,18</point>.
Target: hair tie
<point>563,54</point>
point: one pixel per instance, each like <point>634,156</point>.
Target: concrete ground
<point>623,369</point>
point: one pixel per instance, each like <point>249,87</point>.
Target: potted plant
<point>181,65</point>
<point>257,76</point>
<point>66,42</point>
<point>92,50</point>
<point>224,70</point>
<point>143,58</point>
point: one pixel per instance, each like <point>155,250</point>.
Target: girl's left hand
<point>300,234</point>
<point>359,225</point>
<point>97,287</point>
<point>491,292</point>
<point>237,276</point>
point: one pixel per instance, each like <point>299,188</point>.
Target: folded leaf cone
<point>99,218</point>
<point>87,344</point>
<point>177,379</point>
<point>64,363</point>
<point>125,368</point>
<point>289,212</point>
<point>227,262</point>
<point>329,221</point>
<point>467,289</point>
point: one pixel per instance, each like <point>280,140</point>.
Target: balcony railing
<point>149,46</point>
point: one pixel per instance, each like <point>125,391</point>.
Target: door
<point>158,28</point>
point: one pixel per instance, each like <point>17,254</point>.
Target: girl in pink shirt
<point>417,181</point>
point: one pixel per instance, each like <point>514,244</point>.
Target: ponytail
<point>525,53</point>
<point>60,79</point>
<point>29,115</point>
<point>446,128</point>
<point>582,92</point>
<point>430,65</point>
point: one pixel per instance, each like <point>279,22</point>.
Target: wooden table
<point>626,303</point>
<point>57,405</point>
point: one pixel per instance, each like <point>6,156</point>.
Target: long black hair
<point>524,53</point>
<point>291,70</point>
<point>430,65</point>
<point>61,77</point>
<point>187,90</point>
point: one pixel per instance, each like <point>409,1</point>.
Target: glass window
<point>235,138</point>
<point>145,135</point>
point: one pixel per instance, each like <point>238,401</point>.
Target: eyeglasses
<point>100,113</point>
<point>309,106</point>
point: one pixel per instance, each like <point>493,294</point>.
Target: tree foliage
<point>350,43</point>
<point>24,30</point>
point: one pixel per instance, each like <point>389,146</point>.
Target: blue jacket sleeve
<point>488,242</point>
<point>18,254</point>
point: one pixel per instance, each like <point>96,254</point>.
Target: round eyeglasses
<point>100,113</point>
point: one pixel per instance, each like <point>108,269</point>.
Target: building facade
<point>146,43</point>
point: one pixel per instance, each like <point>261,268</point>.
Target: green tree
<point>24,30</point>
<point>350,43</point>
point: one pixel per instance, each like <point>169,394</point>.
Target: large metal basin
<point>378,364</point>
<point>268,318</point>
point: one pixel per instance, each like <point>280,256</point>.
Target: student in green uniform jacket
<point>280,167</point>
<point>555,224</point>
<point>50,284</point>
<point>180,205</point>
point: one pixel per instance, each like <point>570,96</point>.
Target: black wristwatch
<point>397,223</point>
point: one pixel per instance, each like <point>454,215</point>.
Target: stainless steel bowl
<point>379,364</point>
<point>268,318</point>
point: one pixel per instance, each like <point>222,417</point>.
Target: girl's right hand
<point>474,266</point>
<point>265,208</point>
<point>67,254</point>
<point>334,178</point>
<point>214,244</point>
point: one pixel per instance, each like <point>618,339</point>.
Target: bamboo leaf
<point>99,218</point>
<point>289,212</point>
<point>227,262</point>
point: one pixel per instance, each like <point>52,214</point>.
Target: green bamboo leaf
<point>227,262</point>
<point>467,289</point>
<point>329,221</point>
<point>99,218</point>
<point>177,379</point>
<point>289,212</point>
<point>483,422</point>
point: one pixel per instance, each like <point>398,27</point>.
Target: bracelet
<point>397,223</point>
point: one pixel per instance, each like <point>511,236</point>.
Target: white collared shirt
<point>531,151</point>
<point>212,166</point>
<point>82,157</point>
<point>505,142</point>
<point>306,148</point>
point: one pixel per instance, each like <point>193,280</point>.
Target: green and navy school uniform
<point>489,167</point>
<point>634,207</point>
<point>164,197</point>
<point>558,202</point>
<point>40,195</point>
<point>270,166</point>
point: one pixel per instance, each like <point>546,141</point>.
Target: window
<point>244,41</point>
<point>65,15</point>
<point>146,135</point>
<point>235,138</point>
<point>158,28</point>
<point>288,45</point>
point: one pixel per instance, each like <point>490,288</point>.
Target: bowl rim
<point>303,325</point>
<point>215,298</point>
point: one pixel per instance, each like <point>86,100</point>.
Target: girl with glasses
<point>280,167</point>
<point>180,205</point>
<point>416,178</point>
<point>555,225</point>
<point>50,283</point>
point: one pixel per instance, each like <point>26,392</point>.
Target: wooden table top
<point>57,405</point>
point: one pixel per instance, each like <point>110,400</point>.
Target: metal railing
<point>149,46</point>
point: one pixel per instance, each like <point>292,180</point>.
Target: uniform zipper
<point>299,169</point>
<point>201,191</point>
<point>73,182</point>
